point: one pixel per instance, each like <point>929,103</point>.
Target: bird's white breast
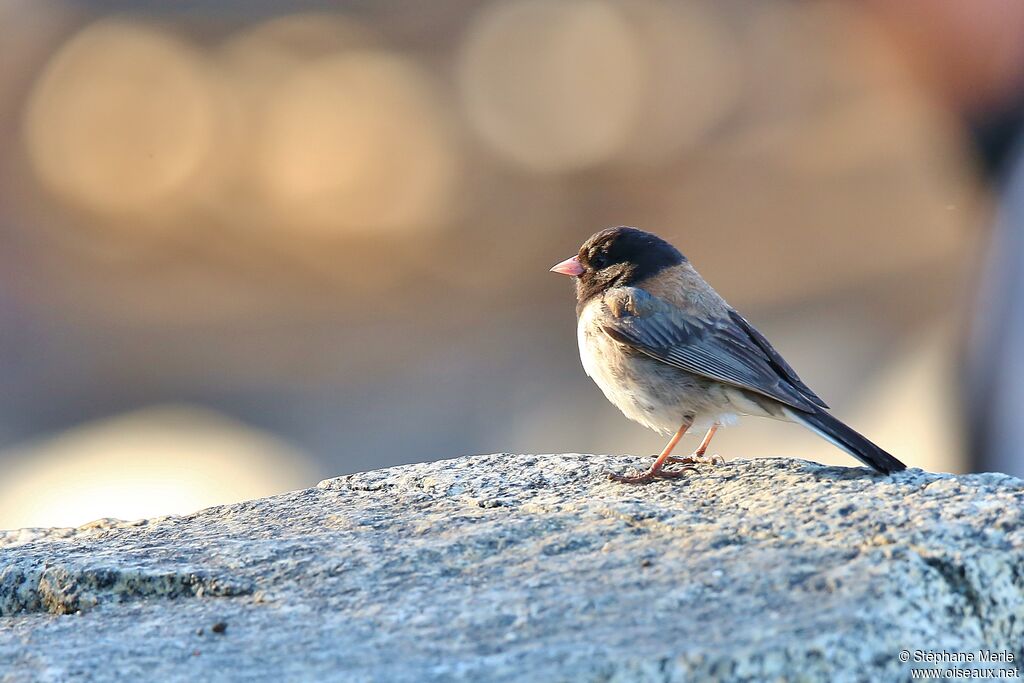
<point>626,381</point>
<point>590,346</point>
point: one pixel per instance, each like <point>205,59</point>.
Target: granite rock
<point>528,568</point>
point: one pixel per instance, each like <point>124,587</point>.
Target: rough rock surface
<point>528,568</point>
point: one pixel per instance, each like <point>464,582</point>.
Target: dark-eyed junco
<point>671,354</point>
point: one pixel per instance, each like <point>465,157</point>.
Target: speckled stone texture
<point>530,568</point>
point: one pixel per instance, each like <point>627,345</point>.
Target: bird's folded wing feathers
<point>777,361</point>
<point>726,349</point>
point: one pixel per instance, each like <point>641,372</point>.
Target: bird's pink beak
<point>570,266</point>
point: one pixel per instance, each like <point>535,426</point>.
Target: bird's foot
<point>698,459</point>
<point>650,474</point>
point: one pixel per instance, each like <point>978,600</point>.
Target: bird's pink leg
<point>698,455</point>
<point>656,470</point>
<point>703,447</point>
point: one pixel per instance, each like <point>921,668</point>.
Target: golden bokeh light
<point>157,461</point>
<point>121,117</point>
<point>552,86</point>
<point>249,68</point>
<point>358,142</point>
<point>694,78</point>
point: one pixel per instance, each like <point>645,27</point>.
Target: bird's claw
<point>695,459</point>
<point>650,475</point>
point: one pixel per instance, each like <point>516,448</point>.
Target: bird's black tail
<point>850,441</point>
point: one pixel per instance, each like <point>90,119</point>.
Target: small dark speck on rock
<point>219,627</point>
<point>199,631</point>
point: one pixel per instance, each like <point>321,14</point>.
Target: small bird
<point>671,354</point>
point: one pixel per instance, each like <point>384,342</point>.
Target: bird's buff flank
<point>671,354</point>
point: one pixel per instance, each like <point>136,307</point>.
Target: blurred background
<point>246,246</point>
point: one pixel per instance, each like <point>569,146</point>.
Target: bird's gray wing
<point>719,348</point>
<point>777,361</point>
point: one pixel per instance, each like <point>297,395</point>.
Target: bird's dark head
<point>618,257</point>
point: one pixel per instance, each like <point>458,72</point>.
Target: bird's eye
<point>598,260</point>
